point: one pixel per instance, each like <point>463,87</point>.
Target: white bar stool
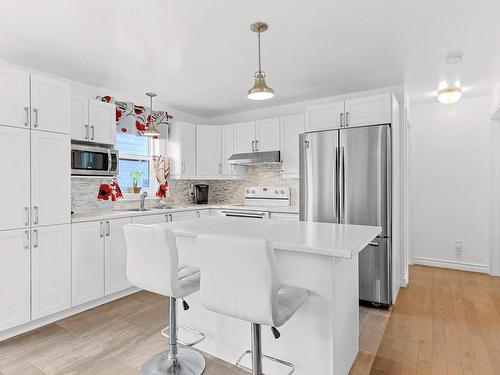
<point>153,265</point>
<point>239,279</point>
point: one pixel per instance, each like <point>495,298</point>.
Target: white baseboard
<point>463,266</point>
<point>11,332</point>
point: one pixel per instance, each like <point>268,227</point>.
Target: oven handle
<point>256,215</point>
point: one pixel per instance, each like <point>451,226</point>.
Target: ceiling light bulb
<point>449,95</point>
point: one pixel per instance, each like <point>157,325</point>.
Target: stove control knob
<point>276,192</point>
<point>253,191</point>
<point>248,191</point>
<point>283,192</point>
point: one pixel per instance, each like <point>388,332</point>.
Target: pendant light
<point>449,95</point>
<point>260,89</point>
<point>151,130</point>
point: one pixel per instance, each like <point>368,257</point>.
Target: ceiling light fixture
<point>151,130</point>
<point>260,89</point>
<point>449,95</point>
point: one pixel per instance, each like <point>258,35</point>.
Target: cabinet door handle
<point>183,167</point>
<point>35,238</point>
<point>198,214</point>
<point>376,244</point>
<point>341,118</point>
<point>27,239</point>
<point>101,231</point>
<point>93,133</point>
<point>35,111</point>
<point>253,146</point>
<point>257,145</point>
<point>347,119</point>
<point>27,110</point>
<point>35,215</point>
<point>86,131</point>
<point>166,218</point>
<point>26,216</point>
<point>220,168</point>
<point>108,228</point>
<point>170,216</point>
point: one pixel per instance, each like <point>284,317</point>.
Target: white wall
<point>450,183</point>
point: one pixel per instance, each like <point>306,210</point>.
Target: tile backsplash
<point>84,190</point>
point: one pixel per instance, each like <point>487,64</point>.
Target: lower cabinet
<point>14,278</point>
<point>99,259</point>
<point>87,261</point>
<point>50,269</point>
<point>150,219</point>
<point>115,256</point>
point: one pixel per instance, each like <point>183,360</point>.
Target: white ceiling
<point>200,55</point>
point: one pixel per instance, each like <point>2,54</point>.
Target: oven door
<point>90,161</point>
<point>247,214</point>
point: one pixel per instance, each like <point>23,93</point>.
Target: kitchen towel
<point>161,164</point>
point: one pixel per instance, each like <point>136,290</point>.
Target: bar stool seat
<point>289,300</point>
<point>153,265</point>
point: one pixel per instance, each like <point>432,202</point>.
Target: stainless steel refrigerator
<point>345,177</point>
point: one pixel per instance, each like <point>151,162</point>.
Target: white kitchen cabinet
<point>115,257</point>
<point>14,278</point>
<point>267,134</point>
<point>102,122</point>
<point>230,170</point>
<point>371,110</point>
<point>79,118</point>
<point>284,216</point>
<point>244,137</point>
<point>291,126</point>
<point>325,116</point>
<point>50,104</point>
<point>182,215</point>
<point>14,97</point>
<point>87,259</point>
<point>50,178</point>
<point>50,270</point>
<point>15,153</point>
<point>150,219</point>
<point>181,147</point>
<point>93,120</point>
<point>198,214</point>
<point>208,151</point>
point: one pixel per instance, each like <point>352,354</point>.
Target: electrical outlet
<point>458,247</point>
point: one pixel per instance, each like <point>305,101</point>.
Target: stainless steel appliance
<point>258,200</point>
<point>93,160</point>
<point>255,158</point>
<point>200,192</point>
<point>345,177</point>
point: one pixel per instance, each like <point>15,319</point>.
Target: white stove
<point>259,200</point>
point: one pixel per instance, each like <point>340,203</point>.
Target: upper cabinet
<point>290,127</point>
<point>208,151</point>
<point>33,101</point>
<point>244,137</point>
<point>371,110</point>
<point>365,111</point>
<point>228,149</point>
<point>93,120</point>
<point>50,104</point>
<point>267,134</point>
<point>325,116</point>
<point>14,97</point>
<point>181,148</point>
<point>260,135</point>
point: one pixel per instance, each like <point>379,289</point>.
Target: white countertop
<point>337,240</point>
<point>115,214</point>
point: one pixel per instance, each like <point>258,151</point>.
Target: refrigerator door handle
<point>342,183</point>
<point>336,187</point>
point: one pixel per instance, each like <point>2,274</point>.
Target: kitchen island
<point>322,337</point>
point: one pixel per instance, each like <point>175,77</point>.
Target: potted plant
<point>135,175</point>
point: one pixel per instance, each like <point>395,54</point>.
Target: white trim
<point>403,282</point>
<point>11,332</point>
<point>463,266</point>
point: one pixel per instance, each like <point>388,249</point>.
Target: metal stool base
<point>273,359</point>
<point>187,362</point>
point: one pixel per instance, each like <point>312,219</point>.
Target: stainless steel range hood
<point>255,158</point>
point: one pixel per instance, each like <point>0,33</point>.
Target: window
<point>136,155</point>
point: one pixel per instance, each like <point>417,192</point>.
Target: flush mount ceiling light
<point>260,89</point>
<point>449,95</point>
<point>151,130</point>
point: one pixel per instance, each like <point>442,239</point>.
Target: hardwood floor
<point>445,322</point>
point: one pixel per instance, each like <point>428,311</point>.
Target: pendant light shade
<point>260,89</point>
<point>449,95</point>
<point>151,130</point>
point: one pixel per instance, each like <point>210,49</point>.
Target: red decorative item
<point>107,191</point>
<point>104,192</point>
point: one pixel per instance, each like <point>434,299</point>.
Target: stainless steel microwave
<point>93,161</point>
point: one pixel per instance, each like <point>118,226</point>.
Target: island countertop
<point>336,240</point>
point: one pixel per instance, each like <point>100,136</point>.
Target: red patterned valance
<point>133,119</point>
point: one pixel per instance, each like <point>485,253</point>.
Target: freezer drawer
<point>374,272</point>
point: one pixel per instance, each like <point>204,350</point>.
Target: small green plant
<point>136,176</point>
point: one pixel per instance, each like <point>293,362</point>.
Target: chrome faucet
<point>142,200</point>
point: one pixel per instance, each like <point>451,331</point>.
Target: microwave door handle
<point>110,162</point>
